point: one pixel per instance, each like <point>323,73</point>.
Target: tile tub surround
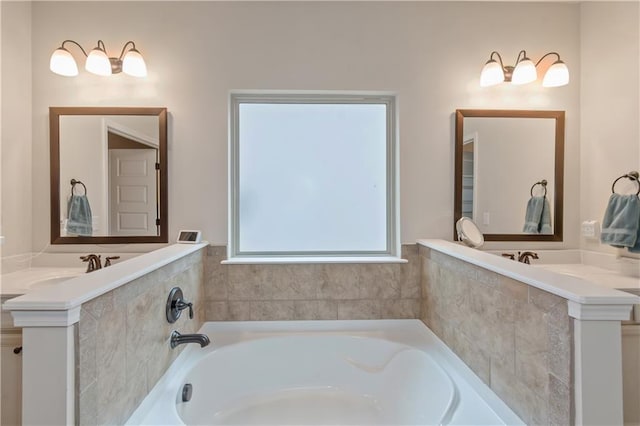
<point>515,337</point>
<point>329,291</point>
<point>101,334</point>
<point>123,340</point>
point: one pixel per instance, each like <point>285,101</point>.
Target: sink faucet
<point>94,262</point>
<point>180,339</point>
<point>526,256</point>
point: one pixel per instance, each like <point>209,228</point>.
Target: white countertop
<point>74,292</point>
<point>570,287</point>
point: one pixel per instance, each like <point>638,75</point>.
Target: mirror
<point>469,233</point>
<point>502,159</point>
<point>108,175</point>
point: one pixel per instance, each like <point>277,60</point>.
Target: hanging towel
<point>621,221</point>
<point>79,212</point>
<point>636,247</point>
<point>545,220</point>
<point>537,219</point>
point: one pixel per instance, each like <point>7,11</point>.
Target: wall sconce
<point>523,72</point>
<point>130,61</point>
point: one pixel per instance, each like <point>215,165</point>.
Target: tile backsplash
<point>311,291</point>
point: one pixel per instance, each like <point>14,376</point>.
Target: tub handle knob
<point>182,305</point>
<point>176,304</point>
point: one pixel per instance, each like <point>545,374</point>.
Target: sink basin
<point>21,282</point>
<point>594,274</point>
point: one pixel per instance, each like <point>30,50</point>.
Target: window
<point>312,176</point>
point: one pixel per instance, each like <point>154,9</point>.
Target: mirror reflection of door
<point>468,171</point>
<point>133,198</point>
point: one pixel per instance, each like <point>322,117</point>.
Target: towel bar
<point>634,176</point>
<point>74,182</point>
<point>542,183</point>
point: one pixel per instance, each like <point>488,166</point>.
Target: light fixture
<point>98,62</point>
<point>523,72</point>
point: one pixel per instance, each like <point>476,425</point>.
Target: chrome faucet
<point>180,339</point>
<point>94,262</point>
<point>526,256</point>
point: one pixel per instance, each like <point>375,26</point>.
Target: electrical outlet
<point>589,228</point>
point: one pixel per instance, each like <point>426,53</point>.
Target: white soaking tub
<point>378,372</point>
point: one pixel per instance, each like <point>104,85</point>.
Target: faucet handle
<point>509,255</point>
<point>176,304</point>
<point>181,305</point>
<point>108,260</point>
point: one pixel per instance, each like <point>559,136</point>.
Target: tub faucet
<point>93,260</point>
<point>526,256</point>
<point>179,339</point>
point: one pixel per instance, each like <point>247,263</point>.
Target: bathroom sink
<point>50,281</point>
<point>594,274</point>
<point>21,282</point>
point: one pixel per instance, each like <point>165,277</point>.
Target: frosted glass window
<point>312,176</point>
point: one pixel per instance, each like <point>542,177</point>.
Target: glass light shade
<point>524,72</point>
<point>556,75</point>
<point>62,63</point>
<point>98,62</point>
<point>133,64</point>
<point>491,74</point>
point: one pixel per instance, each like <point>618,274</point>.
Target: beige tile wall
<point>123,340</point>
<point>311,291</point>
<point>515,337</point>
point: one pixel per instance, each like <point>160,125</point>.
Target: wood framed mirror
<point>503,158</point>
<point>111,162</point>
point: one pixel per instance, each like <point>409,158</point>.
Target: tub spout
<point>179,339</point>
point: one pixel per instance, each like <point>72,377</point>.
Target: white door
<point>133,198</point>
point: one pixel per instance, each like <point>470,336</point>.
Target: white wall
<point>429,53</point>
<point>610,104</point>
<point>16,174</point>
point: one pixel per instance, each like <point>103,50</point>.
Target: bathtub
<point>320,373</point>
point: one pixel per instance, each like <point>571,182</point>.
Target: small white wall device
<point>189,237</point>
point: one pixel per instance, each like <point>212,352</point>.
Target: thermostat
<point>189,237</point>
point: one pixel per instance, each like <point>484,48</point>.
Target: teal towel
<point>636,248</point>
<point>545,220</point>
<point>79,220</point>
<point>537,218</point>
<point>621,221</point>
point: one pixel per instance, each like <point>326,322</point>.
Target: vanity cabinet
<point>11,378</point>
<point>631,373</point>
<point>10,370</point>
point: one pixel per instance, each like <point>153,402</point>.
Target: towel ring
<point>631,176</point>
<point>73,186</point>
<point>542,183</point>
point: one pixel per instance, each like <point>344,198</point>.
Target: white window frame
<point>391,253</point>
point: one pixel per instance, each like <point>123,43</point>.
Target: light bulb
<point>491,74</point>
<point>524,72</point>
<point>62,63</point>
<point>556,75</point>
<point>98,62</point>
<point>133,64</point>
